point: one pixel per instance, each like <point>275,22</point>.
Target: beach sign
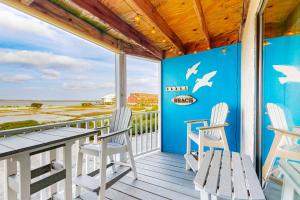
<point>184,100</point>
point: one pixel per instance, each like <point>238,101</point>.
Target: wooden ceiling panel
<point>282,18</point>
<point>181,17</point>
<point>126,10</point>
<point>222,16</point>
<point>278,10</point>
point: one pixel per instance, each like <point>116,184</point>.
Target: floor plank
<point>166,171</point>
<point>157,156</point>
<point>116,195</point>
<point>165,177</point>
<point>170,186</point>
<point>164,166</point>
<point>168,162</point>
<point>136,192</point>
<point>156,189</point>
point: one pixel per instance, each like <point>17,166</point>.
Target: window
<point>281,84</point>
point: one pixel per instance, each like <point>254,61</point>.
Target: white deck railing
<point>144,136</point>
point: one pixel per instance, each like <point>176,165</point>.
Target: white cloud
<point>15,78</point>
<point>24,24</point>
<point>50,74</point>
<point>44,60</point>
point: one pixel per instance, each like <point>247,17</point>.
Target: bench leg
<point>44,193</point>
<point>188,145</point>
<point>53,188</point>
<point>287,190</point>
<point>103,159</point>
<point>25,176</point>
<point>68,166</point>
<point>10,168</point>
<point>131,158</point>
<point>79,165</point>
<point>204,195</point>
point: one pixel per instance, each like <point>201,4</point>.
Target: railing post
<point>141,131</point>
<point>136,133</point>
<point>151,116</point>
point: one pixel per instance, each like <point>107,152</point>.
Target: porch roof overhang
<point>154,29</point>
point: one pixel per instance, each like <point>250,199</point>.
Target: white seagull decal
<point>192,70</point>
<point>292,73</point>
<point>204,81</point>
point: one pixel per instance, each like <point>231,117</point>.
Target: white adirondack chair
<point>115,142</point>
<point>285,142</point>
<point>212,135</point>
<point>291,179</point>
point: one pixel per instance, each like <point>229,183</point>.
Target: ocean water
<point>44,102</point>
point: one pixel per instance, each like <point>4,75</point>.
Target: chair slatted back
<point>120,121</point>
<point>218,116</point>
<point>278,120</point>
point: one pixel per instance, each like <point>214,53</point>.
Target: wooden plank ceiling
<point>282,18</point>
<point>149,28</point>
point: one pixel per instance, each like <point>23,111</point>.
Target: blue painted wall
<point>226,88</point>
<point>280,51</point>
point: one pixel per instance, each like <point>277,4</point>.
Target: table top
<point>26,142</point>
<point>228,175</point>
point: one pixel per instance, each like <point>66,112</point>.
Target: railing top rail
<point>60,124</point>
<point>144,112</point>
<point>49,126</point>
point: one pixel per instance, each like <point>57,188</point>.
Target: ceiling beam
<point>218,41</point>
<point>202,21</point>
<point>146,7</point>
<point>98,9</point>
<point>53,14</point>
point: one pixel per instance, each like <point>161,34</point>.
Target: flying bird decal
<point>292,73</point>
<point>192,70</point>
<point>204,81</point>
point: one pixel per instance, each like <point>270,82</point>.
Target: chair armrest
<point>285,132</point>
<point>204,128</point>
<point>108,135</point>
<point>197,121</point>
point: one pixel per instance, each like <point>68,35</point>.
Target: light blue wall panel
<point>283,51</point>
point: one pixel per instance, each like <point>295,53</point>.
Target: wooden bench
<point>223,175</point>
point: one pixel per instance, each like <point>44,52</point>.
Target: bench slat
<point>213,175</point>
<point>239,186</point>
<point>203,171</point>
<point>254,187</point>
<point>225,186</point>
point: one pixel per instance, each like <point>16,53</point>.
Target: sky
<point>39,61</point>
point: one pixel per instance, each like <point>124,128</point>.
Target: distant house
<point>108,99</point>
<point>142,99</point>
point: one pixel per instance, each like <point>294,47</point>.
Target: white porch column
<point>121,79</point>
